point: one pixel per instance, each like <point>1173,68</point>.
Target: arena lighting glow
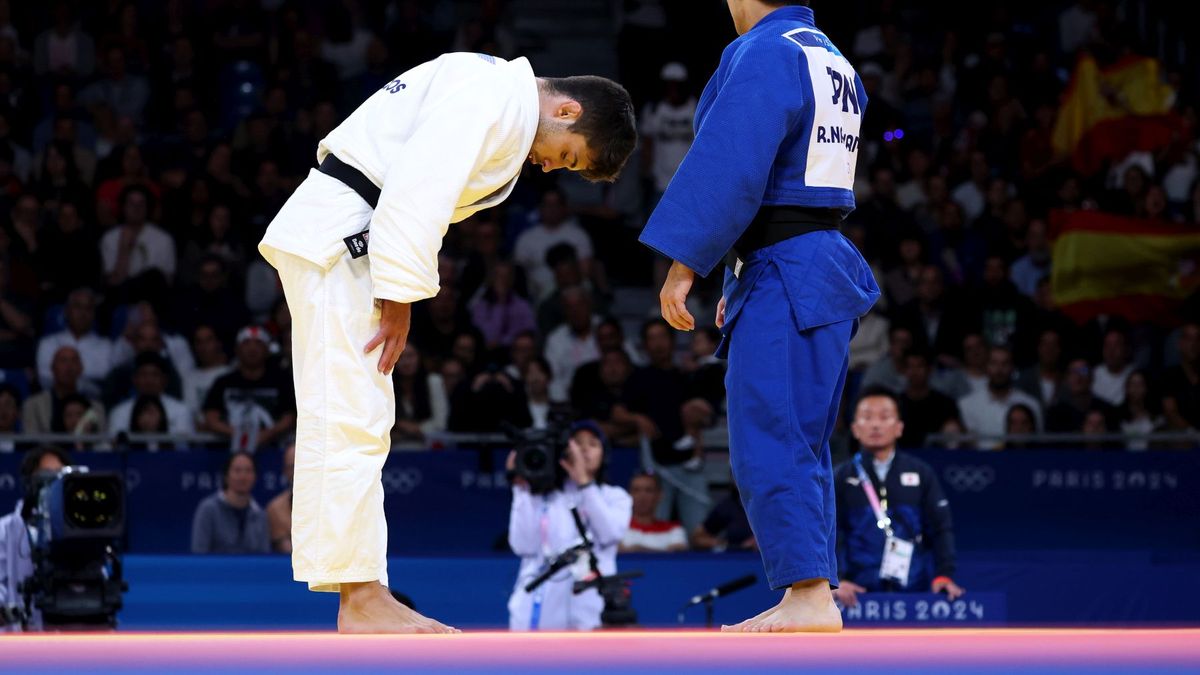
<point>893,135</point>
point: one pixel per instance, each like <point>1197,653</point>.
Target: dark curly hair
<point>607,123</point>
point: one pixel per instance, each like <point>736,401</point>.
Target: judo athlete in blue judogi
<point>763,189</point>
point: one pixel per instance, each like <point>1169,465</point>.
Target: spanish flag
<point>1107,113</point>
<point>1138,269</point>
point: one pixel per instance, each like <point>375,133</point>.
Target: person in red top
<point>646,533</point>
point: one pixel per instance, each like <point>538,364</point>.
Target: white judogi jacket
<point>443,140</point>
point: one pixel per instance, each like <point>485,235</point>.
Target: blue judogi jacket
<point>777,125</point>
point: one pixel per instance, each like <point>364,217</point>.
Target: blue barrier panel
<point>1039,588</point>
<point>457,501</point>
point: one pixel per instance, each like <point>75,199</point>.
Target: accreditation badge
<point>897,559</point>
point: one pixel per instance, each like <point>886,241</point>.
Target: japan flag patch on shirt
<point>910,479</point>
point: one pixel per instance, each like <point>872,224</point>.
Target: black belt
<point>774,224</point>
<point>352,177</point>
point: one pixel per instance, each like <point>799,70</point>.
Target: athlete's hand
<point>847,593</point>
<point>673,297</point>
<point>394,319</point>
<point>721,312</point>
<point>945,585</point>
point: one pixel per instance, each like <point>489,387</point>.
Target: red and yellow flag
<point>1139,269</point>
<point>1107,113</point>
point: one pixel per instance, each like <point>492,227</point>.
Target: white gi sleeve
<point>608,512</point>
<point>422,188</point>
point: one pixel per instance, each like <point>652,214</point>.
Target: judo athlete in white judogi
<point>440,142</point>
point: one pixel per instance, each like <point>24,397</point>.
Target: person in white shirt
<point>1108,378</point>
<point>211,363</point>
<point>94,351</point>
<point>150,379</point>
<point>540,527</point>
<point>554,225</point>
<point>137,246</point>
<point>573,343</point>
<point>666,131</point>
<point>985,411</point>
<point>646,532</point>
<point>440,142</point>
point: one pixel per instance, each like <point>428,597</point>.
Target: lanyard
<point>879,507</point>
<point>539,594</point>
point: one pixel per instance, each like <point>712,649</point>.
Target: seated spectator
<point>706,374</point>
<point>69,255</point>
<point>573,343</point>
<point>1108,378</point>
<point>648,534</point>
<point>230,522</point>
<point>537,395</point>
<point>1000,307</point>
<point>1140,413</point>
<point>726,528</point>
<point>95,352</point>
<point>983,412</point>
<point>1019,421</point>
<point>43,412</point>
<point>597,399</point>
<point>254,405</point>
<point>148,417</point>
<point>150,379</point>
<point>913,509</point>
<point>279,509</point>
<point>219,240</point>
<point>1042,380</point>
<point>125,92</point>
<point>16,326</point>
<point>437,321</point>
<point>422,406</point>
<point>901,283</point>
<point>10,415</point>
<point>552,224</point>
<point>486,400</point>
<point>499,313</point>
<point>1075,400</point>
<point>138,256</point>
<point>924,410</point>
<point>1181,385</point>
<point>1034,266</point>
<point>966,376</point>
<point>568,273</point>
<point>80,418</point>
<point>1095,423</point>
<point>212,301</point>
<point>211,363</point>
<point>888,372</point>
<point>934,318</point>
<point>524,349</point>
<point>609,336</point>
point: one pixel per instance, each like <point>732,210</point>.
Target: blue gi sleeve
<point>719,187</point>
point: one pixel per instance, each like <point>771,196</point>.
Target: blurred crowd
<point>144,147</point>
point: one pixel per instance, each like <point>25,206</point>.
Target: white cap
<point>674,72</point>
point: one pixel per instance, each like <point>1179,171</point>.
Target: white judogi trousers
<point>345,407</point>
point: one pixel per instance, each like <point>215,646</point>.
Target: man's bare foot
<point>806,607</point>
<point>370,608</point>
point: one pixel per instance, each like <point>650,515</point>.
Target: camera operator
<point>16,546</point>
<point>540,527</point>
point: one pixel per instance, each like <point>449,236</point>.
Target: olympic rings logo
<point>401,481</point>
<point>969,478</point>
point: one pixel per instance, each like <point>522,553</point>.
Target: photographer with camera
<point>542,527</point>
<point>16,546</point>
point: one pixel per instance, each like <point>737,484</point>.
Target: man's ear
<point>568,111</point>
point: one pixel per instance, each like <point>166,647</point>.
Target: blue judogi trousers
<point>785,385</point>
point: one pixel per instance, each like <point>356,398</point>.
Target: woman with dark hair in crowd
<point>132,172</point>
<point>421,402</point>
<point>148,417</point>
<point>1140,413</point>
<point>1019,420</point>
<point>58,178</point>
<point>219,237</point>
<point>230,521</point>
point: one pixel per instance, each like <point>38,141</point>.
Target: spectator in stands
<point>437,321</point>
<point>254,405</point>
<point>1019,420</point>
<point>1181,385</point>
<point>648,534</point>
<point>64,50</point>
<point>422,406</point>
<point>69,255</point>
<point>568,273</point>
<point>139,257</point>
<point>969,374</point>
<point>231,522</point>
<point>706,372</point>
<point>279,509</point>
<point>1043,380</point>
<point>1075,400</point>
<point>1001,308</point>
<point>211,363</point>
<point>902,281</point>
<point>597,399</point>
<point>499,313</point>
<point>912,508</point>
<point>541,526</point>
<point>552,224</point>
<point>10,414</point>
<point>1034,266</point>
<point>16,326</point>
<point>1140,413</point>
<point>212,301</point>
<point>923,409</point>
<point>889,371</point>
<point>150,379</point>
<point>144,333</point>
<point>542,410</point>
<point>148,417</point>
<point>935,320</point>
<point>666,128</point>
<point>94,351</point>
<point>726,528</point>
<point>524,349</point>
<point>15,552</point>
<point>983,412</point>
<point>1108,378</point>
<point>573,343</point>
<point>43,412</point>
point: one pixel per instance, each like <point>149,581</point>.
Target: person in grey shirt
<point>231,522</point>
